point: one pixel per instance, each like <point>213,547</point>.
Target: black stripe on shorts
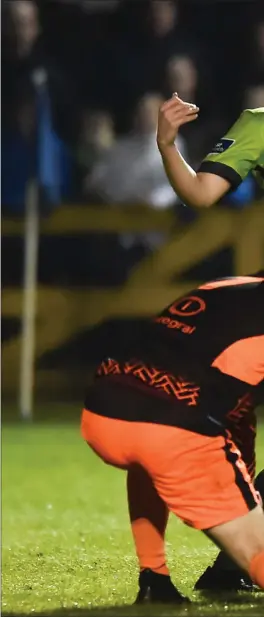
<point>240,480</point>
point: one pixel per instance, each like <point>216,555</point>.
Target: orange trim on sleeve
<point>238,280</point>
<point>243,360</point>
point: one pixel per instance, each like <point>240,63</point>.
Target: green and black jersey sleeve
<point>240,151</point>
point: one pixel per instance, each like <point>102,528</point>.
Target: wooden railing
<point>62,313</point>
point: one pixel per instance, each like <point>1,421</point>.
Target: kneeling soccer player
<point>149,518</point>
<point>161,412</point>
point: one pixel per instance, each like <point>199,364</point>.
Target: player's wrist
<point>165,146</point>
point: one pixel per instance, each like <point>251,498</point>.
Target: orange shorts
<point>203,480</point>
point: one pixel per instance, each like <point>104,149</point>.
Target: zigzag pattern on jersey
<point>242,423</point>
<point>160,380</point>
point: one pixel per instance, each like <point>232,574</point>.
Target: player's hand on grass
<point>173,114</point>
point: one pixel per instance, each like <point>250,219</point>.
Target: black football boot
<point>224,574</point>
<point>157,589</point>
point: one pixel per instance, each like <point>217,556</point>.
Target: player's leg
<point>243,540</point>
<point>224,574</point>
<point>243,537</point>
<point>116,443</point>
<point>149,517</point>
<point>204,481</point>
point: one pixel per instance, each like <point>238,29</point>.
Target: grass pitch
<point>67,548</point>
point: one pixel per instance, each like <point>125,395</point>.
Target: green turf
<point>66,539</point>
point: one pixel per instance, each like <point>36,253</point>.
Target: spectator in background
<point>182,77</point>
<point>254,96</point>
<point>164,27</point>
<point>29,147</point>
<point>30,141</point>
<point>141,55</point>
<point>96,138</point>
<point>258,61</point>
<point>21,49</point>
<point>163,17</point>
<point>166,37</point>
<point>17,143</point>
<point>25,18</point>
<point>131,171</point>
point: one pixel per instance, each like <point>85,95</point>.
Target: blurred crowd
<point>82,82</point>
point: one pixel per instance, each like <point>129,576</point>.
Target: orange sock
<point>256,569</point>
<point>149,517</point>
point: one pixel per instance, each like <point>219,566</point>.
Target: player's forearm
<point>183,179</point>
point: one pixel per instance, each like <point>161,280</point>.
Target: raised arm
<point>224,168</point>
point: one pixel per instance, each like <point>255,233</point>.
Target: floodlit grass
<point>67,547</point>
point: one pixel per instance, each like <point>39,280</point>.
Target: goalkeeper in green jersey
<point>238,153</point>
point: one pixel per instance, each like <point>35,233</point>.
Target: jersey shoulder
<point>254,117</point>
<point>247,130</point>
<point>240,151</point>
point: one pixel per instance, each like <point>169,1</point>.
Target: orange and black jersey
<point>193,362</point>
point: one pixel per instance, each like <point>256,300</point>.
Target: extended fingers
<point>177,117</point>
<point>175,103</point>
<point>189,118</point>
<point>177,112</point>
<point>187,111</point>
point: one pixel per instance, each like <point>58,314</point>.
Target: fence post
<point>31,243</point>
